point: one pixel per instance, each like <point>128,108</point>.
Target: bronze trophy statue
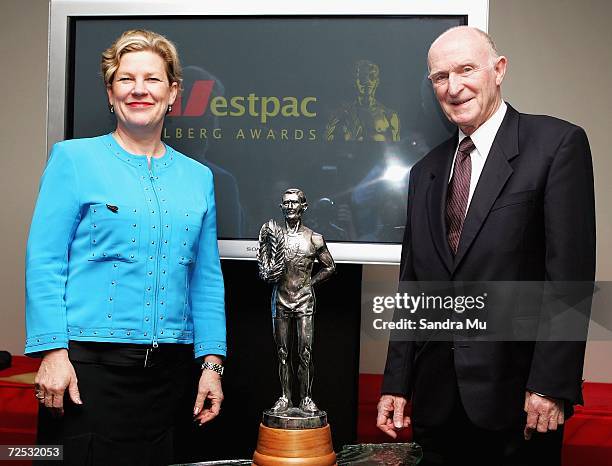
<point>286,257</point>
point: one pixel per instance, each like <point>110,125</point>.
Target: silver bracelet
<point>218,368</point>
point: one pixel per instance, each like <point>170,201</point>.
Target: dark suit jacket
<point>531,218</point>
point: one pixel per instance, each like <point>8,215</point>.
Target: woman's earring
<point>169,109</point>
<point>111,108</point>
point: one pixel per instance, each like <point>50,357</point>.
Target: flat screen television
<point>331,97</point>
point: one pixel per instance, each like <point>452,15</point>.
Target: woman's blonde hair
<point>136,40</point>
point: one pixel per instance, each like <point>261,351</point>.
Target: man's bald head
<point>462,31</point>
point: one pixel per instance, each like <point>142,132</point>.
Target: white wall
<point>23,80</point>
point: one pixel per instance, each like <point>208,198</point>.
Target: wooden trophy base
<point>287,447</point>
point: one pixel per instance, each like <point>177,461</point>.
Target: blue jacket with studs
<point>122,252</point>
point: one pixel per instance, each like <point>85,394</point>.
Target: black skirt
<point>133,397</point>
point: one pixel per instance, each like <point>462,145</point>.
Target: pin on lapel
<point>112,208</point>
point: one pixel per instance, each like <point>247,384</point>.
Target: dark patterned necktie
<point>458,192</point>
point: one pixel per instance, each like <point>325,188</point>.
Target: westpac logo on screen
<point>261,107</point>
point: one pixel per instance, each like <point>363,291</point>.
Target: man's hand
<point>55,374</point>
<point>210,396</point>
<point>543,413</point>
<point>391,414</point>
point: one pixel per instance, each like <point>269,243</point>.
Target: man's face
<point>292,207</point>
<point>468,101</point>
<point>367,79</point>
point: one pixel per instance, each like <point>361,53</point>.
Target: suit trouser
<point>459,442</point>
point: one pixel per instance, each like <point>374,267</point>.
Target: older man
<point>508,198</point>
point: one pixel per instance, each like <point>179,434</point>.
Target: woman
<point>123,277</point>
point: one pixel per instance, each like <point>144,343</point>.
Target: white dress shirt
<point>483,140</point>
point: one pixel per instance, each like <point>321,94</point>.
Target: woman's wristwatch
<point>218,368</point>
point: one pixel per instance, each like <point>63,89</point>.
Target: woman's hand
<point>210,395</point>
<point>55,374</point>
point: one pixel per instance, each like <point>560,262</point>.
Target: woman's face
<point>140,92</point>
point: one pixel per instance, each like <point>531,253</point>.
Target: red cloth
<point>18,407</point>
<point>588,434</point>
<point>21,365</point>
<point>587,439</point>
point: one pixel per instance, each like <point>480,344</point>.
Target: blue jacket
<point>122,253</point>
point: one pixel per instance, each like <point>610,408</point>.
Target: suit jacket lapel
<point>436,200</point>
<point>493,178</point>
